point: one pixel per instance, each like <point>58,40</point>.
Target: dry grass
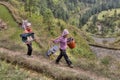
<point>106,66</point>
<point>45,67</point>
<point>14,72</point>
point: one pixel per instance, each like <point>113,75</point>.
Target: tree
<point>115,13</point>
<point>48,18</point>
<point>108,4</point>
<point>92,29</point>
<point>30,6</point>
<point>94,19</point>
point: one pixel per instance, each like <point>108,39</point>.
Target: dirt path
<point>46,63</point>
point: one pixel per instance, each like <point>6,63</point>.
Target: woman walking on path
<point>28,42</point>
<point>63,46</point>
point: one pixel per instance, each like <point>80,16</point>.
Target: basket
<point>71,43</point>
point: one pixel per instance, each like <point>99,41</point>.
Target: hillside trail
<point>61,66</point>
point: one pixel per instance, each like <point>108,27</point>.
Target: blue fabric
<point>52,50</point>
<point>24,36</point>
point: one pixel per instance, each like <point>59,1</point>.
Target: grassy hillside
<point>44,35</point>
<point>11,34</point>
<point>10,72</point>
<point>10,38</point>
<point>44,31</point>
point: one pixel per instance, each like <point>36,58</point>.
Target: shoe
<point>71,66</point>
<point>56,62</point>
<point>30,56</point>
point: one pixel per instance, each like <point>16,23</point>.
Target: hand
<point>52,40</point>
<point>35,40</point>
<point>27,42</point>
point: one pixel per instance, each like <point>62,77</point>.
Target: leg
<point>66,58</point>
<point>59,57</point>
<point>29,49</point>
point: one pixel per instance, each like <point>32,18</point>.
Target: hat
<point>65,32</point>
<point>28,24</point>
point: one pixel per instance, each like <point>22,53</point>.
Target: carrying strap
<point>51,44</point>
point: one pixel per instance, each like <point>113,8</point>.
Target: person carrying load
<point>63,46</point>
<point>28,37</point>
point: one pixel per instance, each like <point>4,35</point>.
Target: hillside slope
<point>107,20</point>
<point>40,64</point>
<point>42,32</point>
<point>75,12</point>
<point>8,71</point>
<point>13,50</point>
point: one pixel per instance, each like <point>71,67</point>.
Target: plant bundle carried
<point>52,50</point>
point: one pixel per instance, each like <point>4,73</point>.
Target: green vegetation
<point>75,12</point>
<point>106,60</point>
<point>44,31</point>
<point>109,22</point>
<point>97,8</point>
<point>11,35</point>
<point>109,13</point>
<point>45,28</point>
<point>49,18</point>
<point>10,72</point>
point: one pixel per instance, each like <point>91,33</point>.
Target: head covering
<point>28,24</point>
<point>65,32</point>
<point>24,24</point>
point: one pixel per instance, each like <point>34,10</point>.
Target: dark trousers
<point>29,49</point>
<point>63,53</point>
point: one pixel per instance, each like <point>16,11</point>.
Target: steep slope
<point>40,64</point>
<point>81,57</point>
<point>43,34</point>
<point>8,71</point>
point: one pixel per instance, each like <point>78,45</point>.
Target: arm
<point>57,40</point>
